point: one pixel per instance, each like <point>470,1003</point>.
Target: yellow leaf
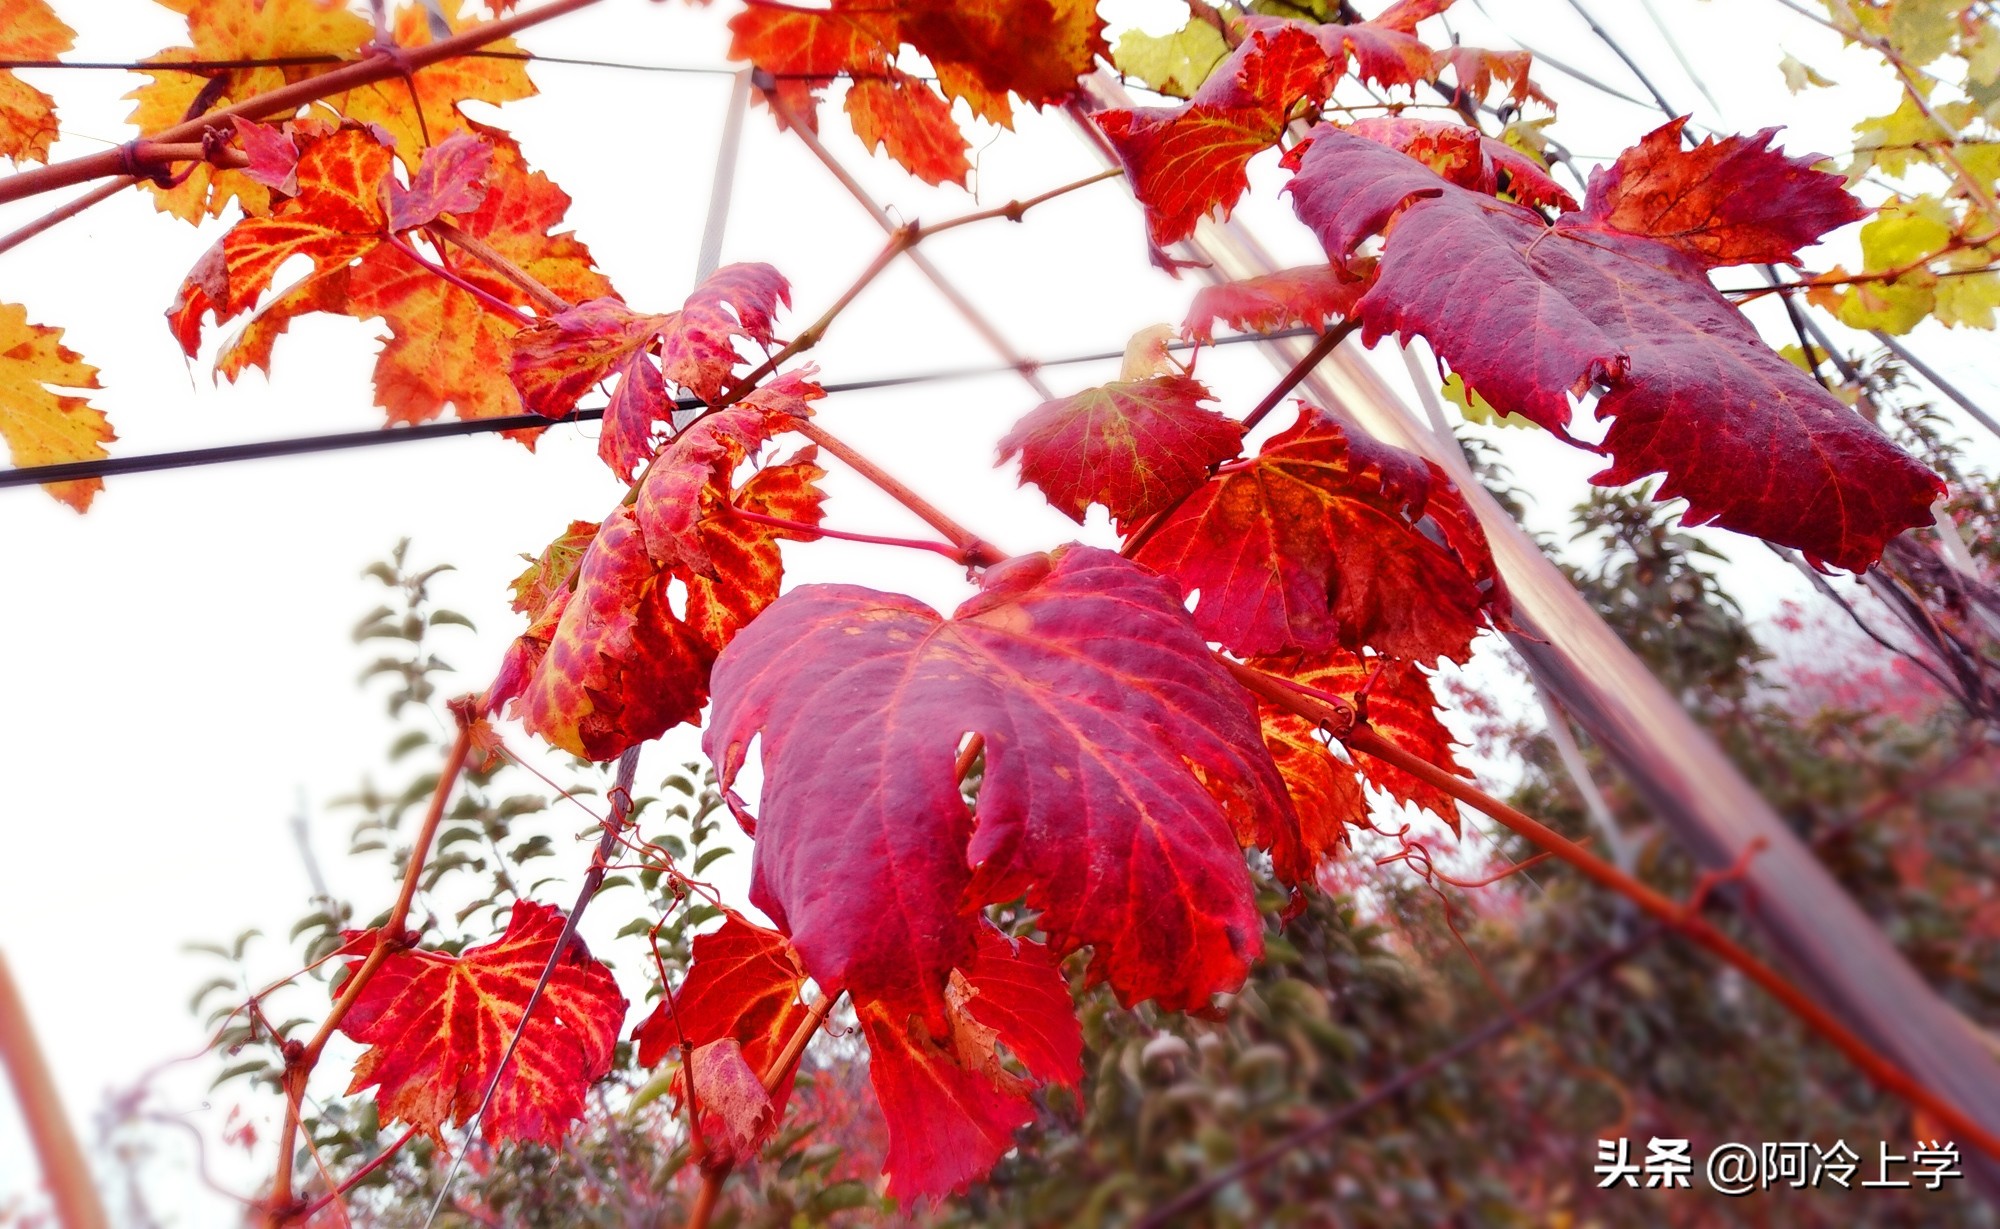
<point>424,110</point>
<point>1921,30</point>
<point>1173,64</point>
<point>1905,232</point>
<point>43,427</point>
<point>1893,307</point>
<point>28,31</point>
<point>1475,408</point>
<point>238,29</point>
<point>1970,300</point>
<point>1799,75</point>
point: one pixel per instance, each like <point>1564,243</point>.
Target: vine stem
<point>1327,343</point>
<point>388,939</point>
<point>354,1179</point>
<point>285,98</point>
<point>901,240</point>
<point>973,550</point>
<point>65,1173</point>
<point>952,553</point>
<point>1680,917</point>
<point>63,213</point>
<point>712,1177</point>
<point>1568,984</point>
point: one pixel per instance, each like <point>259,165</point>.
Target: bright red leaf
<point>560,359</point>
<point>1122,761</point>
<point>1727,201</point>
<point>1400,706</point>
<point>1532,314</point>
<point>451,178</point>
<point>1467,158</point>
<point>744,985</point>
<point>447,346</point>
<point>1135,446</point>
<point>1475,70</point>
<point>1186,162</point>
<point>951,1103</point>
<point>436,1026</point>
<point>1329,537</point>
<point>899,113</point>
<point>609,664</point>
<point>1314,296</point>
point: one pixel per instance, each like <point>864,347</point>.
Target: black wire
<point>71,471</point>
<point>230,64</point>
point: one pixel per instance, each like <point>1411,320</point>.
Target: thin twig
<point>388,940</point>
<point>285,99</point>
<point>1409,1078</point>
<point>621,809</point>
<point>1328,342</point>
<point>1703,933</point>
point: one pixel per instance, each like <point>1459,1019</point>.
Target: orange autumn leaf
<point>29,30</point>
<point>424,110</point>
<point>40,425</point>
<point>447,346</point>
<point>237,29</point>
<point>437,1026</point>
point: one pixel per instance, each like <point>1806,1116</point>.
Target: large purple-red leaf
<point>1532,315</point>
<point>1122,763</point>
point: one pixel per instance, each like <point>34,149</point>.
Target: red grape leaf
<point>686,485</point>
<point>1121,761</point>
<point>559,359</point>
<point>1135,446</point>
<point>1400,706</point>
<point>29,30</point>
<point>1311,296</point>
<point>1329,537</point>
<point>446,347</point>
<point>450,179</point>
<point>1727,201</point>
<point>337,216</point>
<point>951,1104</point>
<point>1186,162</point>
<point>39,425</point>
<point>1475,69</point>
<point>615,665</point>
<point>1324,790</point>
<point>436,1026</point>
<point>984,50</point>
<point>738,1114</point>
<point>273,154</point>
<point>897,112</point>
<point>1467,158</point>
<point>744,985</point>
<point>1530,314</point>
<point>1385,51</point>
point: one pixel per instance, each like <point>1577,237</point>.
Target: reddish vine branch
<point>285,98</point>
<point>389,938</point>
<point>1682,918</point>
<point>712,1177</point>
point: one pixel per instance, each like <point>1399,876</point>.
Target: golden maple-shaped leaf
<point>228,30</point>
<point>29,30</point>
<point>422,110</point>
<point>42,426</point>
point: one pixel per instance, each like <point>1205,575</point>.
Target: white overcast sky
<point>176,667</point>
